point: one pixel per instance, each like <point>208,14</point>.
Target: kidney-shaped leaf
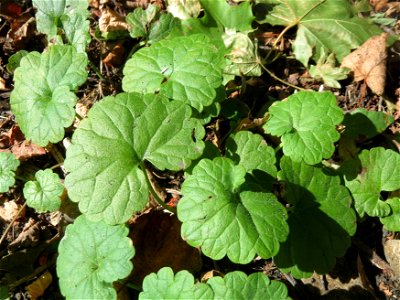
<point>321,220</point>
<point>108,148</point>
<point>234,285</point>
<point>224,217</point>
<point>307,124</point>
<point>44,194</point>
<point>8,166</point>
<point>342,30</point>
<point>380,171</point>
<point>92,255</point>
<point>187,69</point>
<point>42,100</point>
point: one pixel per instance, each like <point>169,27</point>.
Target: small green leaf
<point>140,20</point>
<point>363,123</point>
<point>14,60</point>
<point>91,256</point>
<point>306,123</point>
<point>186,69</point>
<point>238,17</point>
<point>42,100</point>
<point>392,221</point>
<point>321,219</point>
<point>184,9</point>
<point>252,152</point>
<point>234,285</point>
<point>380,171</point>
<point>224,216</point>
<point>69,15</point>
<point>8,166</point>
<point>341,32</point>
<point>241,56</point>
<point>44,194</point>
<point>108,149</point>
<point>327,71</point>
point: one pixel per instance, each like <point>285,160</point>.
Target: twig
<point>11,223</point>
<point>281,80</point>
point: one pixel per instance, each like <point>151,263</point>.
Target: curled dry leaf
<point>369,63</point>
<point>111,21</point>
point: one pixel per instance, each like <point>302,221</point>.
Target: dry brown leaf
<point>9,210</point>
<point>22,148</point>
<point>37,288</point>
<point>116,56</point>
<point>3,86</point>
<point>111,21</point>
<point>369,63</point>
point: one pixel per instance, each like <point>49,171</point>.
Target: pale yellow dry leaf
<point>111,21</point>
<point>9,210</point>
<point>369,63</point>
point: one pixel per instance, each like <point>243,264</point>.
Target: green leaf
<point>341,32</point>
<point>224,216</point>
<point>392,221</point>
<point>186,69</point>
<point>69,15</point>
<point>321,219</point>
<point>238,17</point>
<point>140,20</point>
<point>234,285</point>
<point>8,166</point>
<point>241,56</point>
<point>184,9</point>
<point>237,285</point>
<point>380,171</point>
<point>162,28</point>
<point>306,123</point>
<point>252,152</point>
<point>14,60</point>
<point>108,149</point>
<point>327,71</point>
<point>91,256</point>
<point>367,124</point>
<point>44,194</point>
<point>42,100</point>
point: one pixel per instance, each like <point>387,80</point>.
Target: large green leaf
<point>44,194</point>
<point>224,215</point>
<point>380,171</point>
<point>321,219</point>
<point>42,100</point>
<point>91,256</point>
<point>392,221</point>
<point>8,166</point>
<point>70,15</point>
<point>306,123</point>
<point>105,159</point>
<point>330,25</point>
<point>234,285</point>
<point>187,69</point>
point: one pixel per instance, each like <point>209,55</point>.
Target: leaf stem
<point>281,80</point>
<point>153,192</point>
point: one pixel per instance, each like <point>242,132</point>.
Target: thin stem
<point>153,192</point>
<point>96,70</point>
<point>281,80</point>
<point>11,223</point>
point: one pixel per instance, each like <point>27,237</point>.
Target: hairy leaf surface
<point>306,123</point>
<point>225,216</point>
<point>321,219</point>
<point>92,255</point>
<point>108,149</point>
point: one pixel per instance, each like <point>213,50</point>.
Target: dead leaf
<point>22,148</point>
<point>3,86</point>
<point>116,56</point>
<point>392,254</point>
<point>9,210</point>
<point>111,21</point>
<point>393,8</point>
<point>158,243</point>
<point>378,4</point>
<point>369,63</point>
<point>37,288</point>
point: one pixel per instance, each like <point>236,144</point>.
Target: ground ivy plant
<point>290,201</point>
